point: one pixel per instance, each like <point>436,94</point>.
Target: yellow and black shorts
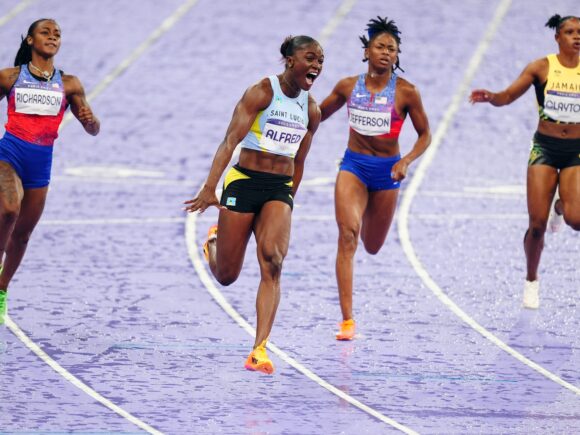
<point>246,191</point>
<point>555,152</point>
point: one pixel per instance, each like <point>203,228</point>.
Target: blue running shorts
<point>374,172</point>
<point>31,162</point>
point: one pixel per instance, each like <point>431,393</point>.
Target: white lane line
<point>471,216</point>
<point>465,194</point>
<point>112,172</point>
<point>123,181</point>
<point>15,11</point>
<point>113,221</point>
<point>73,379</point>
<point>134,56</point>
<point>190,237</point>
<point>516,189</point>
<point>413,187</point>
<point>165,26</point>
<point>295,217</point>
<point>340,14</point>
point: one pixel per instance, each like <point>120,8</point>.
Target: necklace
<point>45,74</point>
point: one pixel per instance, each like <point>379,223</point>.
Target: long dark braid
<point>382,25</point>
<point>24,54</point>
<point>556,21</point>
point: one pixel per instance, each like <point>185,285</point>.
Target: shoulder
<point>69,79</point>
<point>314,113</point>
<point>538,66</point>
<point>406,88</point>
<point>8,77</point>
<point>260,91</point>
<point>346,85</point>
<point>10,72</point>
<point>72,84</point>
<point>313,107</point>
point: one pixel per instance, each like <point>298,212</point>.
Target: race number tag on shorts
<point>37,101</point>
<point>370,123</point>
<point>562,106</point>
<point>282,137</point>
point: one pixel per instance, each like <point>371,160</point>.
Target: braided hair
<point>24,54</point>
<point>292,44</point>
<point>556,21</point>
<point>379,26</point>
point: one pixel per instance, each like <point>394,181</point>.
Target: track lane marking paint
<point>413,187</point>
<point>190,231</point>
<point>15,11</point>
<point>73,379</point>
<point>165,26</point>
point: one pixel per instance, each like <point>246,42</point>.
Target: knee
<point>21,237</point>
<point>225,279</point>
<point>9,214</point>
<point>348,238</point>
<point>271,263</point>
<point>226,276</point>
<point>573,221</point>
<point>225,273</point>
<point>537,228</point>
<point>571,214</point>
<point>372,247</point>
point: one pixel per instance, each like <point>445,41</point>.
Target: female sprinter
<point>367,185</point>
<point>554,161</point>
<point>274,122</point>
<point>38,95</point>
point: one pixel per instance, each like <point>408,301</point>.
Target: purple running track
<point>108,291</point>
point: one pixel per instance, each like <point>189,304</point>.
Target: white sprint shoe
<point>555,220</point>
<point>531,295</point>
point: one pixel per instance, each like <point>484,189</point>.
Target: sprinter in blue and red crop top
<point>367,185</point>
<point>38,95</point>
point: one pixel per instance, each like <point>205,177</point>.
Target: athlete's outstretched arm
<point>314,116</point>
<point>255,99</point>
<point>79,106</point>
<point>336,99</point>
<point>531,73</point>
<point>418,116</point>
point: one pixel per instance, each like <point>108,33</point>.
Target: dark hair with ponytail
<point>294,43</point>
<point>24,54</point>
<point>556,21</point>
<point>377,26</point>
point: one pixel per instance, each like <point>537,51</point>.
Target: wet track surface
<point>107,288</point>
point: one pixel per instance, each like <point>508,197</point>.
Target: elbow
<point>428,139</point>
<point>425,138</point>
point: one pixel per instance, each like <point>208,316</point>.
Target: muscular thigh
<point>234,230</point>
<point>11,191</point>
<point>31,210</point>
<point>378,216</point>
<point>272,229</point>
<point>542,181</point>
<point>350,200</point>
<point>570,188</point>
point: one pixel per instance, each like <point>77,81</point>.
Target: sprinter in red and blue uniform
<point>38,96</point>
<point>368,181</point>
